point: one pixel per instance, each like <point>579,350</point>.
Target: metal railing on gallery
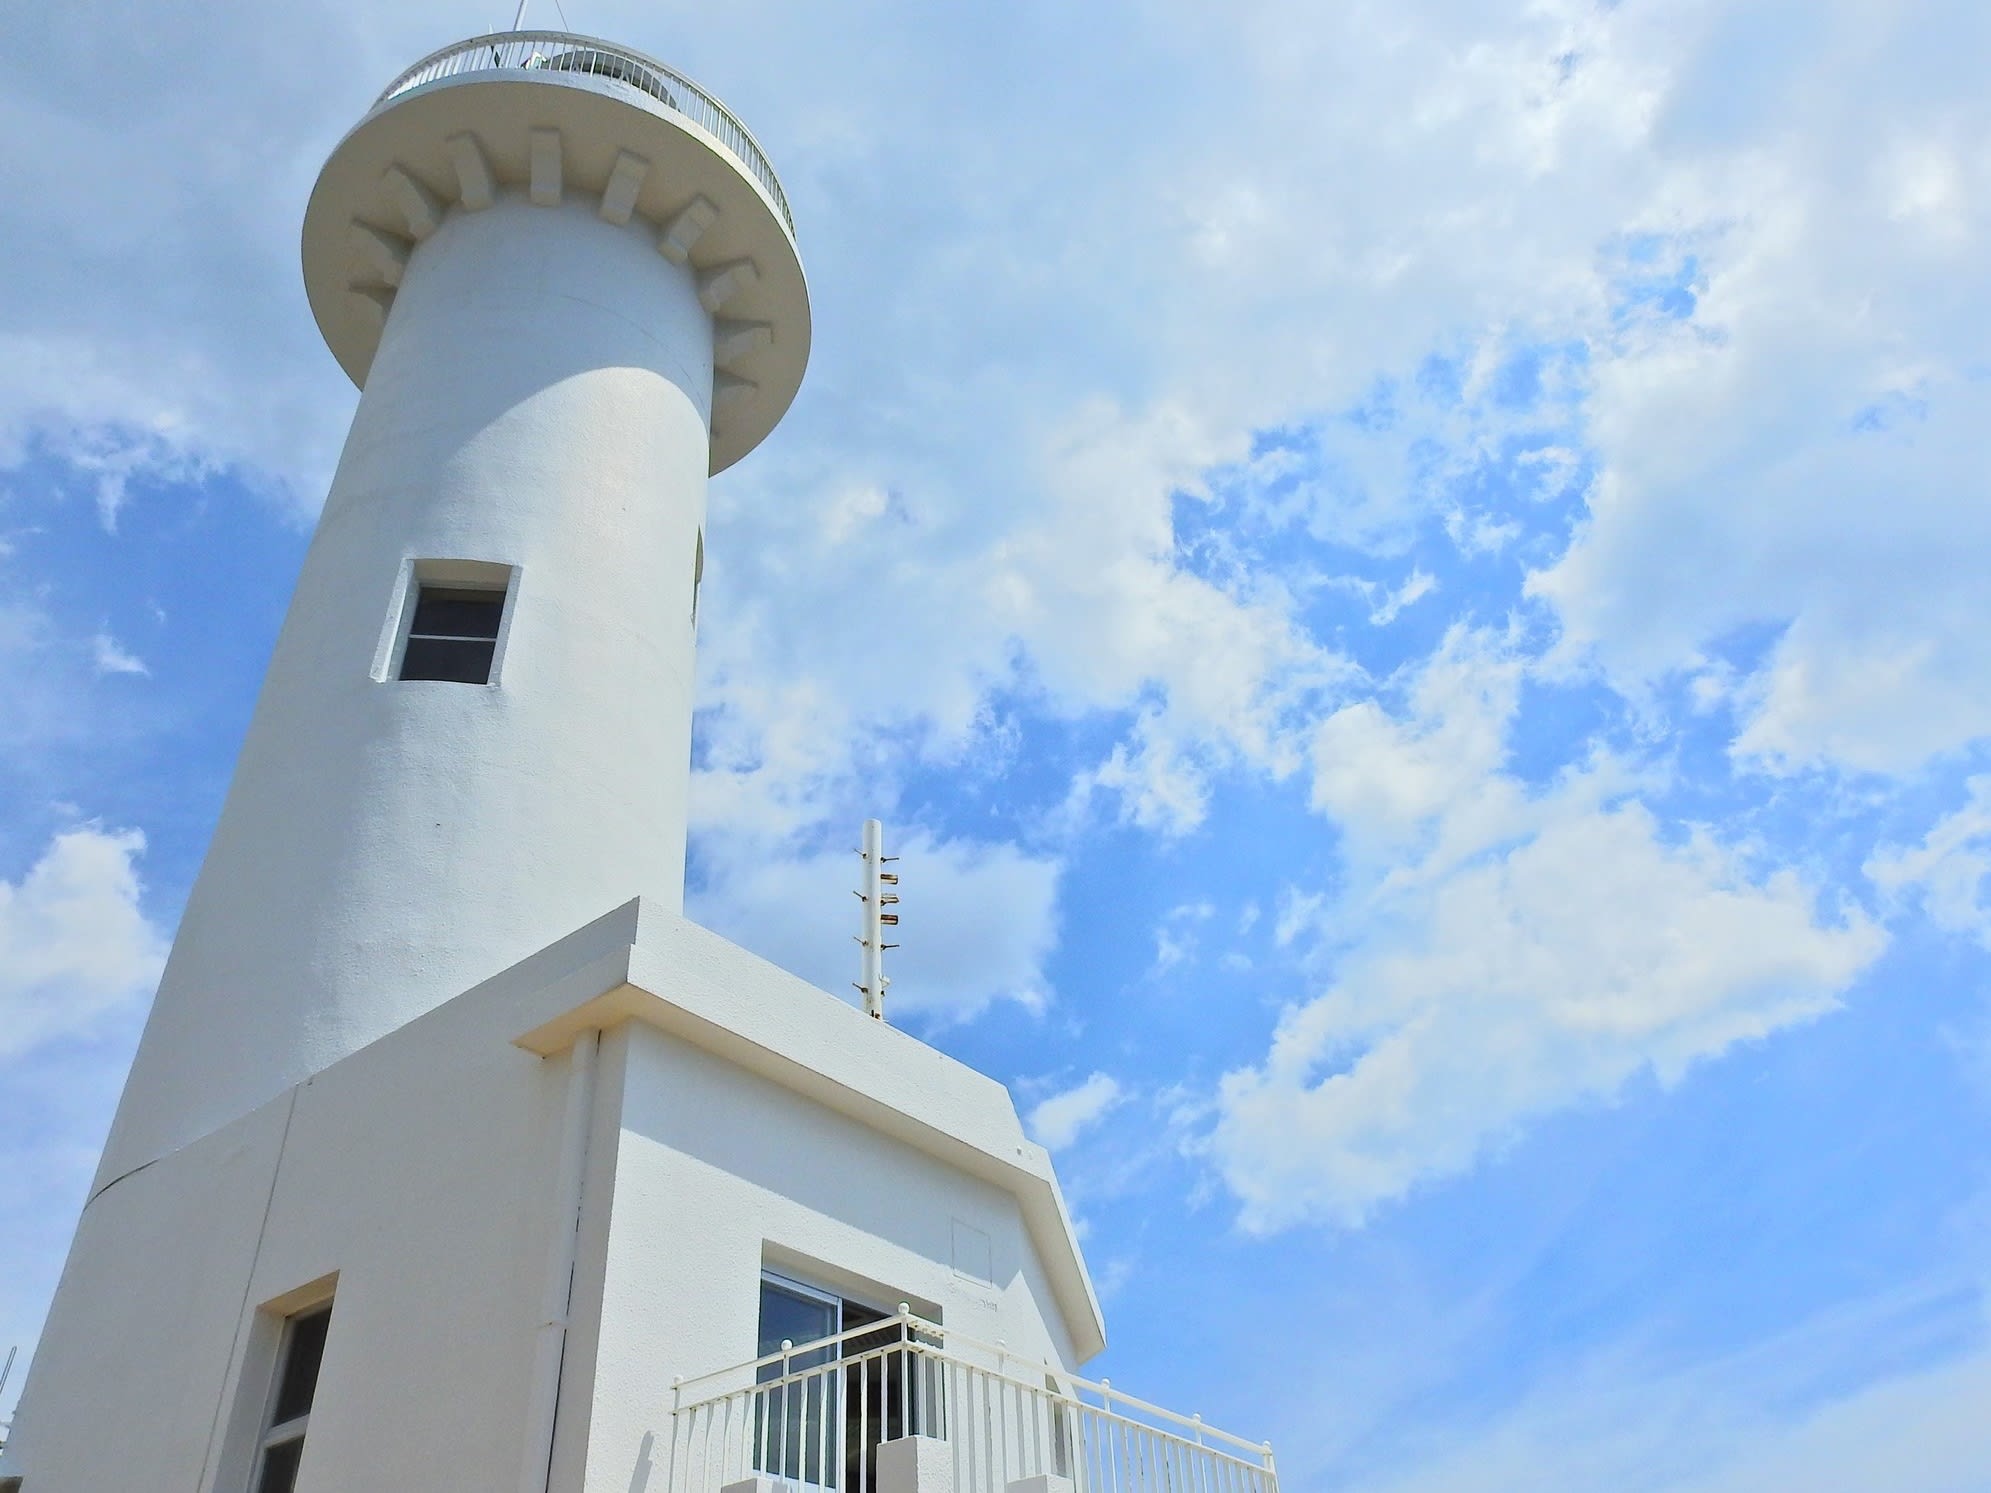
<point>814,1416</point>
<point>562,52</point>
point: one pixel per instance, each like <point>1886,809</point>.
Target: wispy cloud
<point>74,941</point>
<point>1060,1120</point>
<point>111,657</point>
<point>1510,952</point>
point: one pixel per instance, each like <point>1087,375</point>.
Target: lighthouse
<point>453,1156</point>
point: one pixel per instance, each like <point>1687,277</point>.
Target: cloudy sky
<point>1431,666</point>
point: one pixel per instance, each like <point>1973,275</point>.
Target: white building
<point>453,1157</point>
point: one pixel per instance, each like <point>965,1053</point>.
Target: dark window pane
<point>457,614</point>
<point>280,1467</point>
<point>855,1315</point>
<point>303,1353</point>
<point>447,658</point>
<point>798,1318</point>
<point>793,1423</point>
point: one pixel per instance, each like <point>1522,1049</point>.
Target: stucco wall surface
<point>420,1172</point>
<point>690,983</point>
<point>720,1172</point>
<point>539,400</point>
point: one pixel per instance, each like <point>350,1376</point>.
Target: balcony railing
<point>560,52</point>
<point>814,1417</point>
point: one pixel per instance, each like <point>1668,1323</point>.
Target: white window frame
<point>455,575</point>
<point>294,1429</point>
<point>814,1292</point>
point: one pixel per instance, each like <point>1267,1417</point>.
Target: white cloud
<point>1060,1120</point>
<point>1854,1399</point>
<point>1299,912</point>
<point>1800,456</point>
<point>1177,938</point>
<point>111,657</point>
<point>1415,588</point>
<point>1392,782</point>
<point>74,943</point>
<point>1947,870</point>
<point>1918,1433</point>
<point>1065,586</point>
<point>1514,952</point>
<point>979,920</point>
<point>1546,976</point>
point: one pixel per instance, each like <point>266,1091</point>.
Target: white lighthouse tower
<point>452,1156</point>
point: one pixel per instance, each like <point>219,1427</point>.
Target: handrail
<point>939,1342</point>
<point>563,51</point>
<point>824,1427</point>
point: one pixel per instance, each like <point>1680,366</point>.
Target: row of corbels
<point>386,253</point>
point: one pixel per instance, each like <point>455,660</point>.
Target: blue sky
<point>1430,670</point>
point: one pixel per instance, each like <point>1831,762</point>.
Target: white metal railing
<point>814,1416</point>
<point>559,51</point>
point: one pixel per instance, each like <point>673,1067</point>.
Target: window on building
<point>299,1354</point>
<point>697,575</point>
<point>827,1408</point>
<point>453,635</point>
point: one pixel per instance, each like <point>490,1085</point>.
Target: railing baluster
<point>864,1423</point>
<point>600,59</point>
<point>1014,1420</point>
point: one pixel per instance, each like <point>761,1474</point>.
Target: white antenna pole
<point>877,895</point>
<point>518,20</point>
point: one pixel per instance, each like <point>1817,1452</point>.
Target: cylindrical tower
<point>566,281</point>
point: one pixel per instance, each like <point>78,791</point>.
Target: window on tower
<point>298,1358</point>
<point>453,634</point>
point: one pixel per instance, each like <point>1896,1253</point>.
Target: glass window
<point>280,1467</point>
<point>300,1366</point>
<point>796,1416</point>
<point>299,1355</point>
<point>826,1409</point>
<point>454,635</point>
<point>788,1313</point>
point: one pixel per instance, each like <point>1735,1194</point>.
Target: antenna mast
<point>4,1372</point>
<point>879,892</point>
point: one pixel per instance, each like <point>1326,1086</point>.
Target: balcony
<point>563,55</point>
<point>816,1417</point>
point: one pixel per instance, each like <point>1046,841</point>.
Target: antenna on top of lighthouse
<point>878,893</point>
<point>518,16</point>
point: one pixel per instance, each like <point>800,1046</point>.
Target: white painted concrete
<point>443,145</point>
<point>916,1464</point>
<point>427,1174</point>
<point>694,986</point>
<point>719,1173</point>
<point>538,401</point>
<point>421,1172</point>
